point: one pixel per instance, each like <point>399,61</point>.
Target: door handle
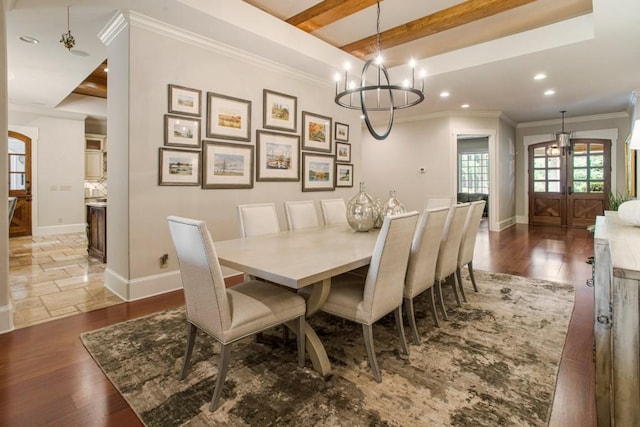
<point>570,190</point>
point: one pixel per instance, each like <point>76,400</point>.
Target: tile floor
<point>52,277</point>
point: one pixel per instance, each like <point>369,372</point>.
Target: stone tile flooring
<point>52,277</point>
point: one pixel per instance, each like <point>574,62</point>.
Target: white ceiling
<point>592,61</point>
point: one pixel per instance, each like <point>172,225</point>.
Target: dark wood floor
<point>48,378</point>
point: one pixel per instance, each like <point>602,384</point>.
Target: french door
<point>569,186</point>
<point>19,156</point>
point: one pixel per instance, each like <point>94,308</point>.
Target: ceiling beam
<point>327,12</point>
<point>445,19</point>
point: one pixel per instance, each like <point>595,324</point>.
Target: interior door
<point>19,157</point>
<point>569,186</point>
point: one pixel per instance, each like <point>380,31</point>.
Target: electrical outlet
<point>164,261</point>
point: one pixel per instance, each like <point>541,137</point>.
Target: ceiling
<point>483,52</point>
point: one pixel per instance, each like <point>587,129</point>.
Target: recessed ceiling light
<point>549,92</point>
<point>28,39</point>
<point>444,94</point>
<point>106,69</point>
<point>464,106</point>
<point>540,76</point>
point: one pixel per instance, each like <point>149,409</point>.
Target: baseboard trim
<point>509,222</point>
<point>6,319</point>
<point>143,287</point>
<point>59,229</point>
<point>522,219</point>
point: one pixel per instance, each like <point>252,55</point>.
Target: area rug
<point>493,363</point>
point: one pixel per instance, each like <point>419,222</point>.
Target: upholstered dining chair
<point>421,270</point>
<point>301,214</point>
<point>227,315</point>
<point>438,202</point>
<point>257,219</point>
<point>365,300</point>
<point>448,254</point>
<point>334,211</point>
<point>468,243</point>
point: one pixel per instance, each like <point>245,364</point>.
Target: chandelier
<point>562,141</point>
<point>381,95</point>
<point>67,39</point>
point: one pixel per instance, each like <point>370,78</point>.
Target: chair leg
<point>473,279</point>
<point>439,289</point>
<point>397,313</point>
<point>367,332</point>
<point>433,306</point>
<point>408,303</point>
<point>223,367</point>
<point>191,338</point>
<point>302,338</point>
<point>452,279</point>
<point>459,277</point>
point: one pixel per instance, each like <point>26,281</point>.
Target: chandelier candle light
<point>386,96</point>
<point>67,39</point>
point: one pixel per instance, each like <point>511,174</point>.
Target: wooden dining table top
<point>299,258</point>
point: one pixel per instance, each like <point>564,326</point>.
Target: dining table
<point>306,258</point>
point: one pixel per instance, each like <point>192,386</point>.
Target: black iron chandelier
<point>381,95</point>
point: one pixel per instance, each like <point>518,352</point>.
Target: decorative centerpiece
<point>361,211</point>
<point>392,206</point>
<point>379,215</point>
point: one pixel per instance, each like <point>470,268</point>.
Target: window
<point>473,173</point>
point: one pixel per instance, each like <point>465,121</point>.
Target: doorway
<point>20,183</point>
<point>568,186</point>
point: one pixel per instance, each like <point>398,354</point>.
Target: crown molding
<point>113,28</point>
<point>579,119</point>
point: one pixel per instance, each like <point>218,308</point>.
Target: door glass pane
<point>580,174</point>
<point>554,174</point>
<point>579,187</point>
<point>596,174</point>
<point>539,162</point>
<point>16,181</point>
<point>596,186</point>
<point>16,146</point>
<point>554,186</point>
<point>538,174</point>
<point>596,160</point>
<point>16,163</point>
<point>580,161</point>
<point>539,152</point>
<point>539,187</point>
<point>580,148</point>
<point>597,148</point>
<point>553,162</point>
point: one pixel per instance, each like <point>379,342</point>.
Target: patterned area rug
<point>493,363</point>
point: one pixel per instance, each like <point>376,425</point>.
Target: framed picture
<point>279,111</point>
<point>316,132</point>
<point>227,165</point>
<point>278,156</point>
<point>228,117</point>
<point>318,172</point>
<point>179,167</point>
<point>342,132</point>
<point>343,152</point>
<point>184,100</point>
<point>344,175</point>
<point>181,131</point>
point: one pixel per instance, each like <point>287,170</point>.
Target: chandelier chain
<point>378,29</point>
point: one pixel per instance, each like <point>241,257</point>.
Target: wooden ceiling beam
<point>327,12</point>
<point>455,16</point>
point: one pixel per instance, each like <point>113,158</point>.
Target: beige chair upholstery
<point>421,270</point>
<point>227,315</point>
<point>334,211</point>
<point>301,214</point>
<point>364,300</point>
<point>439,202</point>
<point>468,243</point>
<point>12,208</point>
<point>257,219</point>
<point>448,255</point>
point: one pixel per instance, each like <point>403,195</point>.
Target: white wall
<point>6,316</point>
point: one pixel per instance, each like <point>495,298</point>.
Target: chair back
<point>334,211</point>
<point>301,214</point>
<point>257,219</point>
<point>425,247</point>
<point>384,284</point>
<point>450,242</point>
<point>202,280</point>
<point>439,202</point>
<point>12,207</point>
<point>471,226</point>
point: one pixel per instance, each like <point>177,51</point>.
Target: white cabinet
<point>94,157</point>
<point>617,321</point>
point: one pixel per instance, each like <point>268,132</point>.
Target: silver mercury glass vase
<point>392,206</point>
<point>361,211</point>
<point>379,213</point>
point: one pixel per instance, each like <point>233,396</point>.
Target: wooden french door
<point>19,157</point>
<point>569,186</point>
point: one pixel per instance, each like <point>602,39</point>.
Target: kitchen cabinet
<point>94,157</point>
<point>97,230</point>
<point>617,321</point>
